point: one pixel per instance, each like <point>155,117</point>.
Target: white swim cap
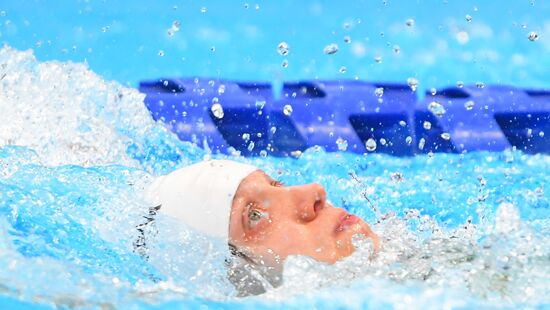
<point>200,195</point>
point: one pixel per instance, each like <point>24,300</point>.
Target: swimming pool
<point>76,152</point>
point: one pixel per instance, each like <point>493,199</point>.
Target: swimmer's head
<point>263,221</point>
<point>201,195</point>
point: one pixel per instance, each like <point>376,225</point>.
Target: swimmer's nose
<point>309,200</point>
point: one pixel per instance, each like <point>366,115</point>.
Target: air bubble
<point>402,123</point>
<point>446,136</point>
<point>347,39</point>
<point>413,83</point>
<point>330,49</point>
<point>409,22</point>
<point>283,48</point>
<point>383,141</point>
<point>533,36</point>
<point>541,133</point>
<point>408,140</point>
<point>379,92</point>
<point>370,145</point>
<point>342,144</point>
<point>287,109</point>
<point>343,69</point>
<point>273,129</point>
<point>469,105</point>
<point>245,136</point>
<point>436,108</point>
<point>427,125</point>
<point>468,18</point>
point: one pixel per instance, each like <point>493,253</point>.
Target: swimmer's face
<point>273,221</point>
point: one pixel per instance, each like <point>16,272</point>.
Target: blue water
<point>76,153</point>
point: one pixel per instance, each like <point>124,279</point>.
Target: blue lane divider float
<point>258,119</point>
<point>491,118</point>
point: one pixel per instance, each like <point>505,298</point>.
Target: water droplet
<point>283,48</point>
<point>408,140</point>
<point>396,49</point>
<point>221,89</point>
<point>217,110</point>
<point>161,53</point>
<point>330,49</point>
<point>409,22</point>
<point>468,18</point>
<point>413,83</point>
<point>284,64</point>
<point>379,92</point>
<point>402,123</point>
<point>246,5</point>
<point>347,39</point>
<point>287,109</point>
<point>211,83</point>
<point>176,25</point>
<point>169,32</point>
<point>396,177</point>
<point>541,133</point>
<point>263,153</point>
<point>459,84</point>
<point>469,105</point>
<point>257,7</point>
<point>433,91</point>
<point>342,144</point>
<point>383,141</point>
<point>245,136</point>
<point>421,143</point>
<point>529,132</point>
<point>370,145</point>
<point>436,108</point>
<point>204,9</point>
<point>104,29</point>
<point>533,36</point>
<point>260,104</point>
<point>273,129</point>
<point>445,136</point>
<point>343,69</point>
<point>427,125</point>
<point>480,85</point>
<point>378,59</point>
<point>250,146</point>
<point>212,49</point>
<point>2,13</point>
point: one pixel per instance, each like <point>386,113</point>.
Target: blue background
<point>121,40</point>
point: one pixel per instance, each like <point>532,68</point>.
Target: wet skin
<point>272,221</point>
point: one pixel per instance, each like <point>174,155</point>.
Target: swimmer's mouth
<point>345,221</point>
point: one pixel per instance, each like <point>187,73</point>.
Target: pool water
<point>76,152</point>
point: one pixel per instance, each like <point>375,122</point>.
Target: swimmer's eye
<point>254,216</point>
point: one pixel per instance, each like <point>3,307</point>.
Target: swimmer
<point>262,220</point>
